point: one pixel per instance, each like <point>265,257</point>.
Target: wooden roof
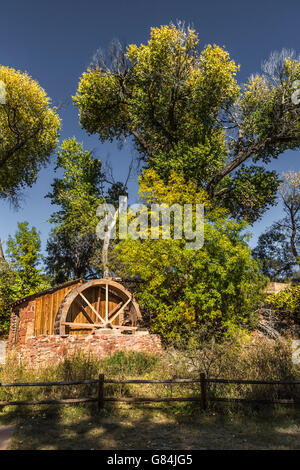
<point>45,292</point>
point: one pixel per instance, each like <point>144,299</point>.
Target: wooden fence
<point>101,398</point>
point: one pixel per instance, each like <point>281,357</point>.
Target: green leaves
<point>164,94</point>
<point>287,301</point>
<point>21,275</point>
<point>219,284</point>
<point>23,252</point>
<point>73,245</point>
<point>186,113</point>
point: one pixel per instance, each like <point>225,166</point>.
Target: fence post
<point>203,385</point>
<point>101,392</point>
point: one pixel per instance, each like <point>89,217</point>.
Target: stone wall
<point>2,352</point>
<point>50,349</point>
<point>22,323</point>
<point>44,349</point>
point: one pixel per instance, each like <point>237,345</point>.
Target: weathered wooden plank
<point>66,401</point>
<point>84,311</point>
<point>144,381</point>
<point>77,325</point>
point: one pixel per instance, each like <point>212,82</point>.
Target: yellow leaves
<point>216,72</point>
<point>170,45</point>
<point>178,190</point>
<point>292,67</point>
<point>256,84</point>
<point>28,100</point>
<point>215,58</point>
<point>165,44</point>
<point>28,130</point>
<point>292,178</point>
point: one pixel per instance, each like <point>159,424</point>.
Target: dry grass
<point>264,360</point>
<point>158,427</point>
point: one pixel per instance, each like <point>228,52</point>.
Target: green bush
<point>287,300</point>
<point>131,363</point>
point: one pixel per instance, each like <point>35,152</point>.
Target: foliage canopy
<point>278,247</point>
<point>28,131</point>
<point>186,113</point>
<point>21,274</point>
<point>218,284</point>
<point>73,244</point>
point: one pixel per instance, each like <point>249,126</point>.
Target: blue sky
<point>55,41</point>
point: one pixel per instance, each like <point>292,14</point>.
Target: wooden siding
<point>46,307</point>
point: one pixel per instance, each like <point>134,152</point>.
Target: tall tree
<point>20,273</point>
<point>218,285</point>
<point>25,259</point>
<point>28,131</point>
<point>279,247</point>
<point>1,252</point>
<point>185,112</point>
<point>73,248</point>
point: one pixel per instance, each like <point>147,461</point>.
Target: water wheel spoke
<point>84,311</point>
<point>114,316</point>
<point>99,300</point>
<point>114,310</point>
<point>91,307</point>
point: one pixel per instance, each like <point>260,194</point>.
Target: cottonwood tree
<point>279,247</point>
<point>218,285</point>
<point>185,112</point>
<point>28,131</point>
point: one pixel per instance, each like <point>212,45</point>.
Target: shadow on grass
<point>153,427</point>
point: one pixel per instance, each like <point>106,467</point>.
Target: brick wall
<point>40,350</point>
<point>22,323</point>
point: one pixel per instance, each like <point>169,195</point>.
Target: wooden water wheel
<point>101,303</point>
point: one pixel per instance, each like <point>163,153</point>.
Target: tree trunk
<point>1,252</point>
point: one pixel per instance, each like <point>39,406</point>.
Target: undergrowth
<point>259,360</point>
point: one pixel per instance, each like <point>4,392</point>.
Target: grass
<point>158,426</point>
<point>152,428</point>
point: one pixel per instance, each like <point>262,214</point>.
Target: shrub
<point>287,301</point>
<point>131,363</point>
<point>219,284</point>
<point>238,357</point>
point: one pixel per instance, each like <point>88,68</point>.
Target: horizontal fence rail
<point>150,381</point>
<point>203,381</point>
<point>253,382</point>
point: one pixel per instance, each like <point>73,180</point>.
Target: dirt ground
<point>153,428</point>
<point>6,433</point>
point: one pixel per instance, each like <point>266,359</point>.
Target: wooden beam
<point>90,305</point>
<point>120,311</point>
<point>115,309</point>
<point>125,328</point>
<point>88,326</point>
<point>99,300</point>
<point>85,313</point>
<point>106,303</point>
